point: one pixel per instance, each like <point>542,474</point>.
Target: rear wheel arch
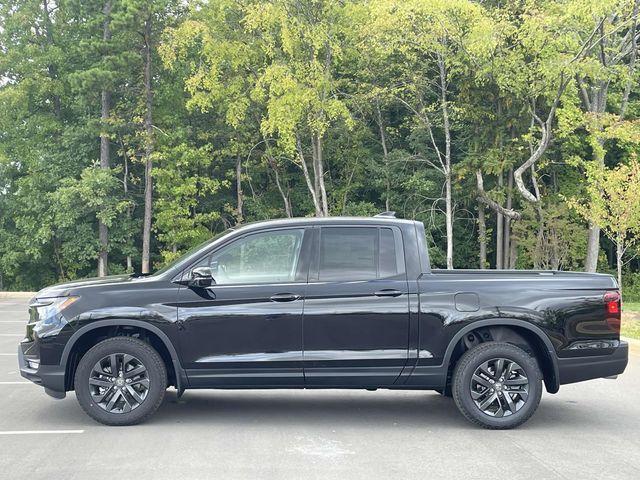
<point>87,336</point>
<point>517,332</point>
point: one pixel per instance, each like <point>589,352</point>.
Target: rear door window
<point>358,253</point>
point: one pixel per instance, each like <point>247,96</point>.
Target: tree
<point>302,43</point>
<point>609,67</point>
<point>130,133</point>
<point>613,204</point>
<point>105,105</point>
<point>433,38</point>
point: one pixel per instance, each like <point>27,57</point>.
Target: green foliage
<point>631,287</point>
<point>557,242</point>
<point>249,93</point>
<point>181,218</point>
<point>612,201</point>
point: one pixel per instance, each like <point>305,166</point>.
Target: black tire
<point>155,376</point>
<point>489,354</point>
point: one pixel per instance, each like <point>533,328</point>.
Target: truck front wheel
<point>120,381</point>
<point>497,385</point>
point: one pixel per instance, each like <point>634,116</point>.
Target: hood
<point>64,289</point>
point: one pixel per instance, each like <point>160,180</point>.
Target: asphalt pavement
<point>586,431</point>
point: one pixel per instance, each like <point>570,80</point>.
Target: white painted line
<point>39,432</point>
<point>17,383</point>
<point>8,354</point>
<point>24,322</point>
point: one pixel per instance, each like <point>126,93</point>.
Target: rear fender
<point>551,379</point>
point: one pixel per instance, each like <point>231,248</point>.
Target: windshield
<point>191,251</point>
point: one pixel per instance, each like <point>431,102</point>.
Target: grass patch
<point>630,306</point>
<point>630,324</point>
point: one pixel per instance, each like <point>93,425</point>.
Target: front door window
<point>270,257</point>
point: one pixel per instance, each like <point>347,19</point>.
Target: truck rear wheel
<point>120,381</point>
<point>497,385</point>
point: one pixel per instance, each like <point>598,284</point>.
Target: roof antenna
<point>388,214</point>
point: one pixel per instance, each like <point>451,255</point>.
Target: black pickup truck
<point>323,303</point>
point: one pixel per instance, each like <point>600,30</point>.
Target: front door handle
<point>388,292</point>
<point>284,297</point>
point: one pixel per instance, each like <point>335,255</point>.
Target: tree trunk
<point>125,185</point>
<point>239,194</point>
<point>506,249</point>
<point>447,159</point>
<point>593,248</point>
<point>320,176</point>
<point>598,105</point>
<point>543,143</point>
<point>538,205</point>
<point>593,234</point>
<point>482,236</point>
<point>385,153</point>
<point>499,233</point>
<point>285,197</point>
<point>311,183</point>
<point>513,253</point>
<point>484,198</point>
<point>274,166</point>
<point>449,220</point>
<point>148,149</point>
<point>105,105</point>
<point>619,255</point>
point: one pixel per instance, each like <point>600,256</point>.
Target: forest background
<point>132,130</point>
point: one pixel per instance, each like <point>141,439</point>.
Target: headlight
<point>46,315</point>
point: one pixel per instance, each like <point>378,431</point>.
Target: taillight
<point>612,301</point>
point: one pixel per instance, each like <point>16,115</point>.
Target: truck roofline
<point>239,230</point>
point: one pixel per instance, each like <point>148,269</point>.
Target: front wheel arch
<point>172,362</point>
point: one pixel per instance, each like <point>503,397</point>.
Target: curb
<point>4,295</point>
<point>634,345</point>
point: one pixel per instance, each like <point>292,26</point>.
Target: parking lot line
<point>15,383</point>
<point>14,321</point>
<point>39,432</point>
<point>8,354</point>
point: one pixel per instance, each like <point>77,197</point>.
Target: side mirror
<point>201,277</point>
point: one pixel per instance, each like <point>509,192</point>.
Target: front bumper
<point>578,369</point>
<point>51,377</point>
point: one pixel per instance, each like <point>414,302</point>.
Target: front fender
<point>181,377</point>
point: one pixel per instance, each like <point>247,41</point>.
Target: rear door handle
<point>284,297</point>
<point>388,292</point>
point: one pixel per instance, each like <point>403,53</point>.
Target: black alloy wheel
<point>120,381</point>
<point>497,385</point>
